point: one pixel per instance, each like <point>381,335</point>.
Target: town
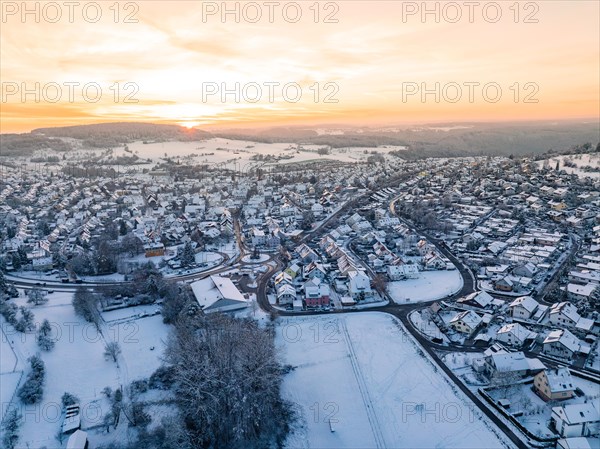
<point>482,272</point>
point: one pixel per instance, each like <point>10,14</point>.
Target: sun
<point>189,125</point>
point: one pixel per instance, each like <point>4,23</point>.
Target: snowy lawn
<point>8,387</point>
<point>142,344</point>
<point>377,395</point>
<point>430,285</point>
<point>8,360</point>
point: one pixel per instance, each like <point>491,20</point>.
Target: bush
<point>163,378</point>
<point>69,399</point>
<point>138,386</point>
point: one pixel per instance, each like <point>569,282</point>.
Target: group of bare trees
<point>227,380</point>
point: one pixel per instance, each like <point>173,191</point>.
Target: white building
<point>523,307</point>
<point>218,294</point>
<point>514,334</point>
<point>359,284</point>
<point>576,420</point>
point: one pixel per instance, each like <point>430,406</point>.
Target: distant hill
<point>112,134</point>
<point>442,140</point>
<point>435,140</point>
<point>25,144</point>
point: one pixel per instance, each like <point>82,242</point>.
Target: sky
<point>247,64</point>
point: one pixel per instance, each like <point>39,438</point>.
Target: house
<point>505,284</point>
<point>218,294</point>
<point>563,314</point>
<point>561,343</point>
<point>523,307</point>
<point>283,278</point>
<point>514,334</point>
<point>293,270</point>
<point>511,362</point>
<point>433,261</point>
<point>306,253</point>
<point>154,249</point>
<point>477,299</point>
<point>359,285</point>
<point>315,269</point>
<point>554,384</point>
<point>576,420</point>
<point>404,271</point>
<point>316,293</point>
<point>77,440</point>
<point>466,322</point>
<point>527,269</point>
<point>42,263</point>
<point>577,443</point>
<point>286,294</point>
<point>576,292</point>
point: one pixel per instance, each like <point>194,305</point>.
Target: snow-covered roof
<point>77,440</point>
<point>482,298</point>
<point>565,337</point>
<point>527,302</point>
<point>565,308</point>
<point>582,290</point>
<point>520,332</point>
<point>515,361</point>
<point>577,413</point>
<point>218,293</point>
<point>468,317</point>
<point>559,380</point>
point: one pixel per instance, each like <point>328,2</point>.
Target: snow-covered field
<point>580,160</point>
<point>430,285</point>
<point>225,151</point>
<point>376,395</point>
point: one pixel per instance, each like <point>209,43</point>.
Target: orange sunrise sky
<point>371,58</point>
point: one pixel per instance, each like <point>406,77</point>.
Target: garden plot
<point>376,395</point>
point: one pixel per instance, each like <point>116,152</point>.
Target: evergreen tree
<point>44,339</point>
<point>188,256</point>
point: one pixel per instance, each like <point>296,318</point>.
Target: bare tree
<point>112,350</point>
<point>36,296</point>
<point>228,381</point>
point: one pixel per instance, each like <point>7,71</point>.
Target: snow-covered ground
<point>580,161</point>
<point>77,363</point>
<point>262,258</point>
<point>430,285</point>
<point>142,342</point>
<point>376,395</point>
<point>8,387</point>
<point>227,151</point>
